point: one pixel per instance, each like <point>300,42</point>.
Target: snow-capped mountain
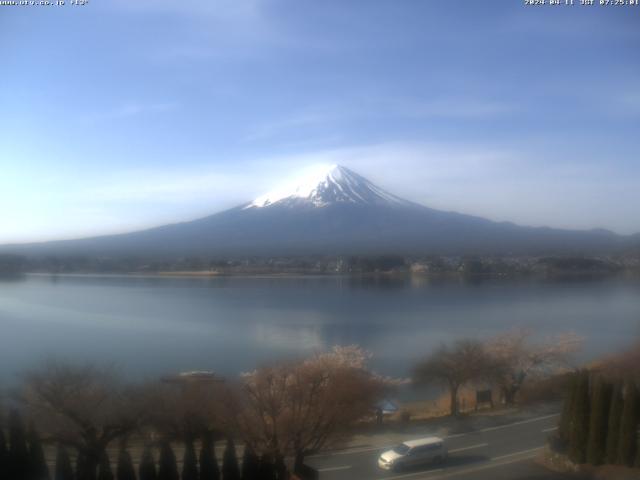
<point>325,185</point>
<point>332,210</point>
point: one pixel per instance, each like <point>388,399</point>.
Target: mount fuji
<point>333,211</point>
<point>327,185</point>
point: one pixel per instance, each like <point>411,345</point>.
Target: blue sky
<point>125,114</point>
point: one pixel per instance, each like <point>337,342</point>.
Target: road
<point>499,452</point>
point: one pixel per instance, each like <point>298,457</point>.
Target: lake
<point>149,326</point>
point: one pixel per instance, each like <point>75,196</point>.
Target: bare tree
<point>453,367</point>
<point>299,408</point>
<point>622,365</point>
<point>184,410</point>
<point>517,358</point>
<point>85,407</point>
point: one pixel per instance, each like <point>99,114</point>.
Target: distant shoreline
<point>188,274</point>
<point>205,274</point>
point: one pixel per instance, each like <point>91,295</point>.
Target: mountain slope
<point>333,211</point>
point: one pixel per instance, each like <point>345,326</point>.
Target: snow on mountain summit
<point>325,185</point>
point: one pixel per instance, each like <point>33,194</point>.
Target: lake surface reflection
<point>150,326</point>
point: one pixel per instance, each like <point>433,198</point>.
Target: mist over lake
<point>149,326</point>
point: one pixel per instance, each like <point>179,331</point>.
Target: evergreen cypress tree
<point>230,469</point>
<point>281,469</point>
<point>81,467</point>
<point>628,426</point>
<point>104,467</point>
<point>567,410</point>
<point>189,461</point>
<point>38,469</point>
<point>579,427</point>
<point>18,452</point>
<point>64,470</point>
<point>4,456</point>
<point>124,470</point>
<point>86,468</point>
<point>600,398</point>
<point>209,469</point>
<point>250,464</point>
<point>168,468</point>
<point>147,469</point>
<point>266,469</point>
<point>613,429</point>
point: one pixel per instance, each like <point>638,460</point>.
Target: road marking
<point>349,452</point>
<point>428,475</point>
<point>531,450</point>
<point>456,435</point>
<point>333,469</point>
<point>407,475</point>
<point>486,466</point>
<point>522,422</point>
<point>369,449</point>
<point>479,445</point>
<point>549,429</point>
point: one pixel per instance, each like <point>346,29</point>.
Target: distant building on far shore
<point>193,377</point>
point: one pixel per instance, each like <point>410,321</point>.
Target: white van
<point>413,453</point>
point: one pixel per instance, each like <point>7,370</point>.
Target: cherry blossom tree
<point>296,408</point>
<point>517,358</point>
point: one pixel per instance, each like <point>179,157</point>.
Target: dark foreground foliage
<point>600,420</point>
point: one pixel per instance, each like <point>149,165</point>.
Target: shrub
<point>544,389</point>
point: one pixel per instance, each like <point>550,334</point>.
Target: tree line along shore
<point>434,265</point>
